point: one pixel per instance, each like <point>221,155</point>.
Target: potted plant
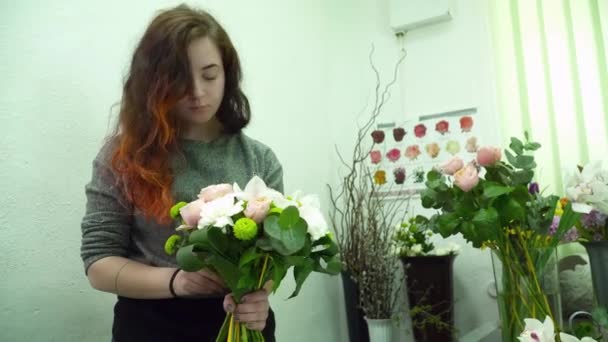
<point>429,280</point>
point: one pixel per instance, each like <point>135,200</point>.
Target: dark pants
<point>180,319</point>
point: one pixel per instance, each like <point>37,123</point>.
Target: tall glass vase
<point>598,259</point>
<point>527,286</point>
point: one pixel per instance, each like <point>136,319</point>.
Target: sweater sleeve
<point>107,221</point>
<point>273,171</point>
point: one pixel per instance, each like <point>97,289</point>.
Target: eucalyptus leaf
<point>188,260</point>
<point>289,217</point>
<point>285,241</point>
<point>517,146</point>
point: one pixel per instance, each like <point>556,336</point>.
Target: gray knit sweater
<point>113,227</point>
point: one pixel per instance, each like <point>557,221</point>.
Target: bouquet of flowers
<point>495,204</point>
<point>251,236</point>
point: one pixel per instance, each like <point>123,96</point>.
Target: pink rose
<point>451,166</point>
<point>191,212</point>
<point>412,152</point>
<point>488,156</point>
<point>466,178</point>
<point>258,209</point>
<point>376,156</point>
<point>393,155</point>
<point>212,192</point>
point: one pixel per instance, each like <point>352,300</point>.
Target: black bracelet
<point>171,289</point>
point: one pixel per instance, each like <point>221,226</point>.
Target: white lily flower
<point>589,189</point>
<point>219,212</point>
<point>537,331</point>
<point>255,189</point>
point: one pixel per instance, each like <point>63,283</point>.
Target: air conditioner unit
<point>408,15</point>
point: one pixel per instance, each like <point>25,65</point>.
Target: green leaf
<point>251,254</point>
<point>522,177</point>
<point>532,146</point>
<point>331,247</point>
<point>517,146</point>
<point>229,272</point>
<point>447,224</point>
<point>264,243</point>
<point>433,175</point>
<point>434,184</point>
<point>333,266</point>
<point>188,260</point>
<point>199,236</point>
<point>486,219</point>
<point>525,162</point>
<point>494,190</point>
<point>428,198</point>
<point>469,233</point>
<point>279,270</point>
<point>289,217</point>
<point>217,239</point>
<point>247,282</point>
<point>285,241</point>
<point>300,273</point>
<point>511,158</point>
<point>510,210</point>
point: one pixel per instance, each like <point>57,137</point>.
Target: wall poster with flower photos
<point>403,152</point>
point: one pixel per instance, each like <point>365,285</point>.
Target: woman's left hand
<point>253,309</point>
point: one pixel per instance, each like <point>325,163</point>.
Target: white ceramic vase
<point>380,330</point>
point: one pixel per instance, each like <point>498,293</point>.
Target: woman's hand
<point>253,309</point>
<point>203,283</point>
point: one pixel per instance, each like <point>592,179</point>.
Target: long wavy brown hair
<point>159,76</point>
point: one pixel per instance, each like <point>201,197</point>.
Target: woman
<point>179,130</point>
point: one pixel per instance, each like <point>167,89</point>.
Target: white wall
<point>308,79</point>
<point>61,66</point>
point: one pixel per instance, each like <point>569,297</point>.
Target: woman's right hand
<point>203,283</point>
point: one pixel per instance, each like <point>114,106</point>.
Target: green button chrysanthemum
<point>171,244</point>
<point>174,212</point>
<point>245,229</point>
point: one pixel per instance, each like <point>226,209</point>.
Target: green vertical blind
<point>552,79</point>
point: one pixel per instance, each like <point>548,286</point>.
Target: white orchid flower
<point>589,189</point>
<point>310,210</point>
<point>537,331</point>
<point>219,212</point>
<point>255,189</point>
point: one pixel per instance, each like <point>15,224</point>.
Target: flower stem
<point>262,275</point>
<point>231,329</point>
